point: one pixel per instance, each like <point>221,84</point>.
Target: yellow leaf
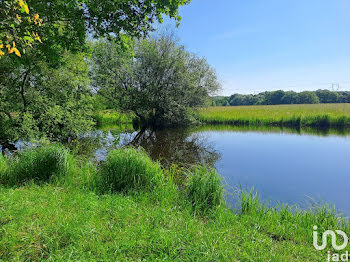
<point>37,20</point>
<point>21,3</point>
<point>16,51</point>
<point>37,37</point>
<point>18,18</point>
<point>26,8</point>
<point>1,46</point>
<point>2,53</point>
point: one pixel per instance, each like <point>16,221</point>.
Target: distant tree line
<point>281,97</point>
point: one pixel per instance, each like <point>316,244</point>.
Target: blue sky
<point>260,45</point>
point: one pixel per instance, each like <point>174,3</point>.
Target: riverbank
<point>57,207</point>
<point>320,115</point>
<point>112,117</point>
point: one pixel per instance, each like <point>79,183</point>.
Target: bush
<point>129,169</point>
<point>204,189</point>
<point>38,164</point>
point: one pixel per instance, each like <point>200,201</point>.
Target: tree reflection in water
<point>177,146</point>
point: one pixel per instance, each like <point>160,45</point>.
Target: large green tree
<point>159,83</point>
<point>52,103</point>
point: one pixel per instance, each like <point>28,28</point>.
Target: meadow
<point>55,206</point>
<point>318,115</point>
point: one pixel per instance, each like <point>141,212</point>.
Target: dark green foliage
<point>40,165</point>
<point>204,189</point>
<point>44,102</point>
<point>307,97</point>
<point>274,98</point>
<point>128,169</point>
<point>327,96</point>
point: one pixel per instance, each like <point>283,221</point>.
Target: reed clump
<point>204,189</point>
<point>129,169</point>
<point>40,164</point>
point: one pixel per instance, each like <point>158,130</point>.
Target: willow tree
<point>160,83</point>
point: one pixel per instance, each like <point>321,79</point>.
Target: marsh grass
<point>321,115</point>
<point>3,166</point>
<point>129,169</point>
<point>112,117</point>
<point>288,223</point>
<point>41,164</point>
<point>204,189</point>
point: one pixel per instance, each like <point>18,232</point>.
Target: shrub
<point>204,189</point>
<point>38,164</point>
<point>129,169</point>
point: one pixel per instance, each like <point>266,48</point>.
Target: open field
<point>320,115</point>
<point>130,209</point>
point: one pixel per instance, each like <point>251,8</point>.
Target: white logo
<point>333,235</point>
<point>334,239</point>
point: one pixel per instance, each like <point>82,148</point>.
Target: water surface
<point>283,165</point>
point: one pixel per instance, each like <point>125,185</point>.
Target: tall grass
<point>111,117</point>
<point>204,189</point>
<point>39,165</point>
<point>322,115</point>
<point>70,222</point>
<point>3,166</point>
<point>129,169</point>
<point>288,223</point>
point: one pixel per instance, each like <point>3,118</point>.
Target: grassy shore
<point>320,115</point>
<point>273,129</point>
<point>131,209</point>
<point>112,117</point>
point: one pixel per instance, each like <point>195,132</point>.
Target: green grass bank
<point>319,115</point>
<point>129,208</point>
<point>112,117</point>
